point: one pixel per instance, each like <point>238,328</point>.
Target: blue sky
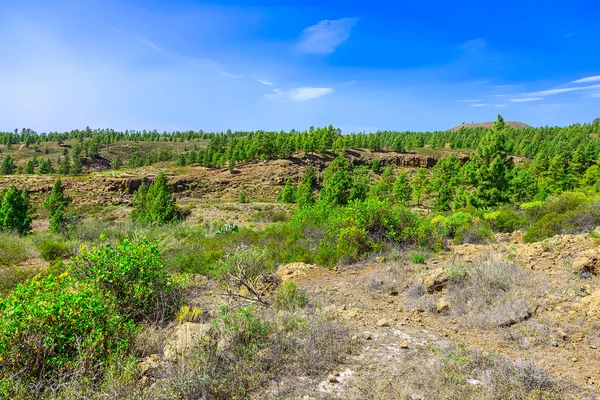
<point>361,66</point>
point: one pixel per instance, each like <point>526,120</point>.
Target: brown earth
<point>561,334</point>
<point>514,124</point>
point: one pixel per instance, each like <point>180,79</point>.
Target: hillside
<point>513,124</point>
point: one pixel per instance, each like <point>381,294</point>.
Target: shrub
<point>506,220</point>
<point>417,258</point>
<point>13,249</point>
<point>134,274</point>
<point>52,250</point>
<point>289,297</point>
<point>226,229</point>
<point>352,243</point>
<point>56,325</point>
<point>492,292</point>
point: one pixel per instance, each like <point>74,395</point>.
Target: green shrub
<point>352,243</point>
<point>250,334</point>
<point>506,220</point>
<point>457,273</point>
<point>134,274</point>
<point>227,229</point>
<point>417,258</point>
<point>289,297</point>
<point>56,325</point>
<point>13,249</point>
<point>52,250</point>
<point>477,233</point>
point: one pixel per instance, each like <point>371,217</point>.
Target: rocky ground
<point>401,345</point>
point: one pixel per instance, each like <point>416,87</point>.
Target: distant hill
<point>514,124</point>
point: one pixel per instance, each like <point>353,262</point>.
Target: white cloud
<point>264,81</point>
<point>588,79</point>
<point>324,37</point>
<point>488,105</point>
<point>526,99</point>
<point>141,39</point>
<point>552,92</point>
<point>299,94</point>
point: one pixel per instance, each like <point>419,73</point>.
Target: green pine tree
<point>15,211</point>
<point>402,191</point>
<point>56,205</point>
<point>288,194</point>
<point>159,201</point>
<point>8,166</point>
<point>420,184</point>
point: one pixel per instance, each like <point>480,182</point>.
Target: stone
<point>149,364</point>
<point>587,262</point>
<point>436,281</point>
<point>383,322</point>
<point>367,336</point>
<point>188,339</point>
<point>404,345</point>
<point>332,379</point>
<point>443,305</point>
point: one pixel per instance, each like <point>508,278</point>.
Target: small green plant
<point>243,197</point>
<point>52,250</point>
<point>187,314</point>
<point>290,297</point>
<point>457,273</point>
<point>226,229</point>
<point>13,249</point>
<point>417,258</point>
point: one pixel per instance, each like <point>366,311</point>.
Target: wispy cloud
<point>264,81</point>
<point>596,95</point>
<point>299,94</point>
<point>326,36</point>
<point>552,92</point>
<point>488,105</point>
<point>588,79</point>
<point>147,43</point>
<point>526,99</point>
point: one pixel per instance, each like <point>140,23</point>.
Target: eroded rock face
<point>436,281</point>
<point>588,261</point>
<point>188,339</point>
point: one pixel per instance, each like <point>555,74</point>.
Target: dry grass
<point>494,293</point>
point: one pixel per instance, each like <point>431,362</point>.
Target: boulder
<point>436,281</point>
<point>587,262</point>
<point>187,339</point>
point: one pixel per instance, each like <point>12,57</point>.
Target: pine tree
<point>402,191</point>
<point>523,186</point>
<point>420,184</point>
<point>243,197</point>
<point>30,167</point>
<point>8,166</point>
<point>117,163</point>
<point>304,193</point>
<point>56,205</point>
<point>493,166</point>
<point>383,189</point>
<point>288,194</point>
<point>77,167</point>
<point>139,203</point>
<point>160,202</point>
<point>15,211</point>
<point>337,182</point>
